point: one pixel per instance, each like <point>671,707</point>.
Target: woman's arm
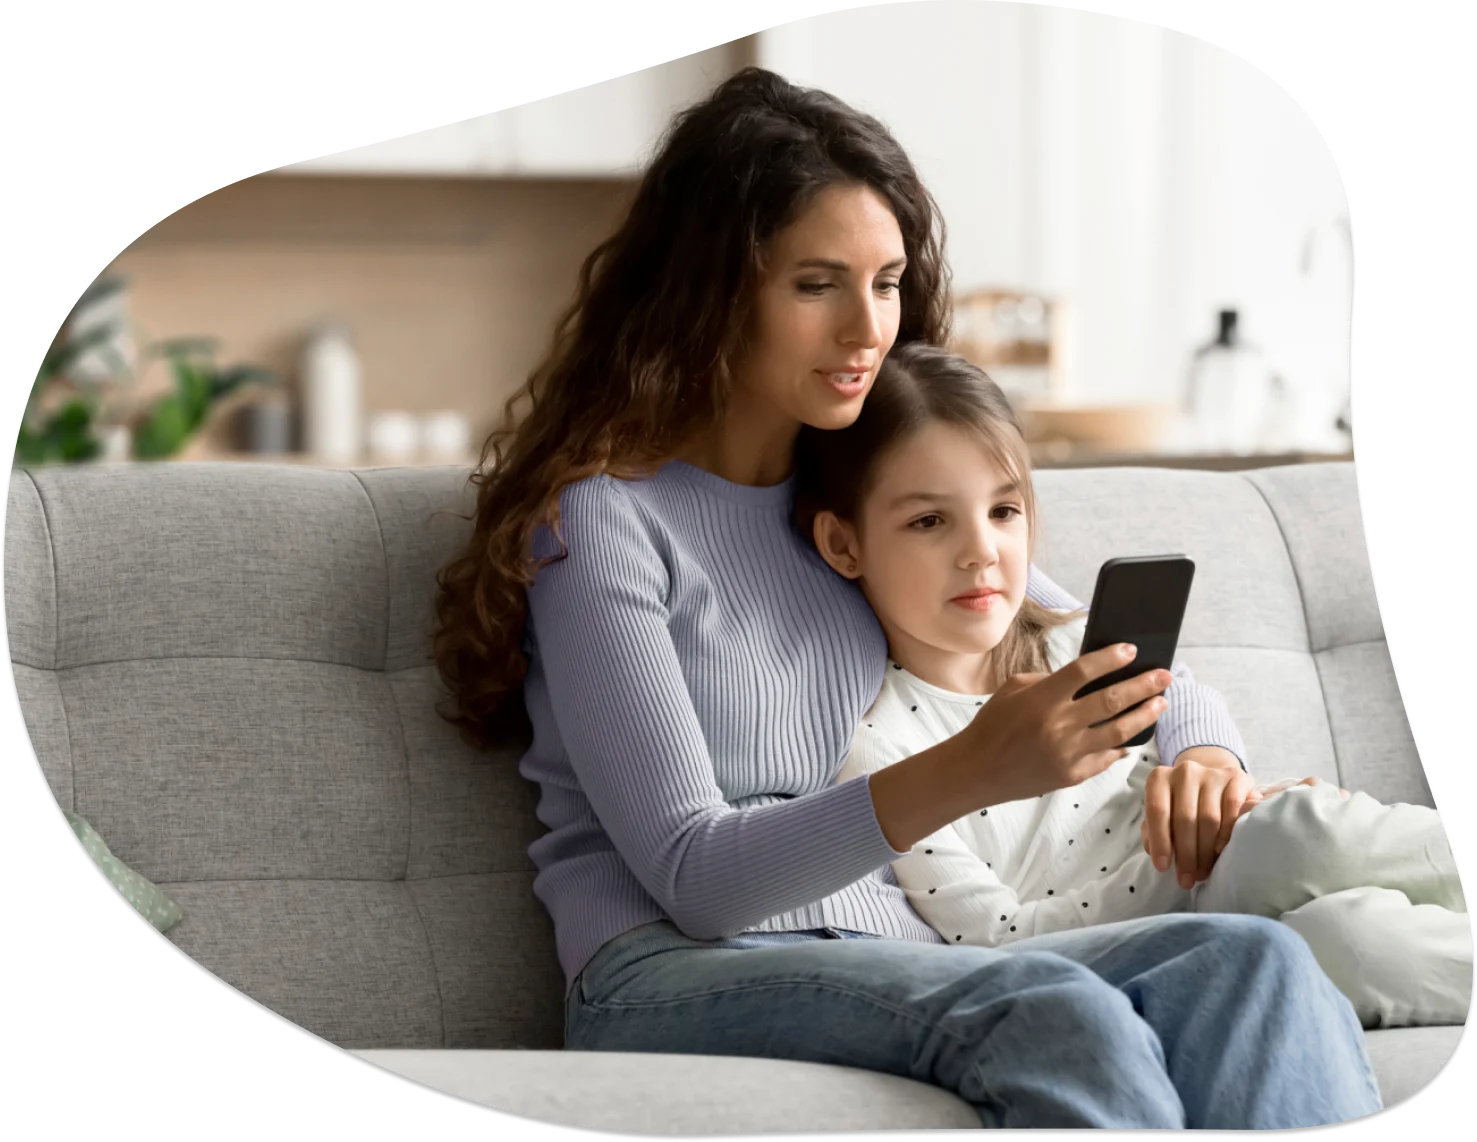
<point>1197,715</point>
<point>626,720</point>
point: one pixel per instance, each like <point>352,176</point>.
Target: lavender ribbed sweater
<point>696,673</point>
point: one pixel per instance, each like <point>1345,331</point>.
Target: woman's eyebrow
<point>842,267</point>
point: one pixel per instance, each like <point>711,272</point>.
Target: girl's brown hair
<point>643,358</point>
<point>919,385</point>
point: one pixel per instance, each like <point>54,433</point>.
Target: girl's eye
<point>1007,511</point>
<point>927,522</point>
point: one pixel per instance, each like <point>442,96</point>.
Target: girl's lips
<point>976,600</point>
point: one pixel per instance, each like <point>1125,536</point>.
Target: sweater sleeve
<point>1196,714</point>
<point>627,722</point>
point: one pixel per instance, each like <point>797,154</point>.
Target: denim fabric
<point>1209,1021</point>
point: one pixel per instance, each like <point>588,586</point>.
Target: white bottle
<point>1231,391</point>
<point>332,396</point>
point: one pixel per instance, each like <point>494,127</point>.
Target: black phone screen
<point>1141,600</point>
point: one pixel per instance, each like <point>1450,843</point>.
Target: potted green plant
<point>68,413</point>
<point>65,430</point>
<point>169,422</point>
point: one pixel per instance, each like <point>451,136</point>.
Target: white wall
<point>1148,176</point>
<point>605,130</point>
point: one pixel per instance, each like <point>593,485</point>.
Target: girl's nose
<point>980,550</point>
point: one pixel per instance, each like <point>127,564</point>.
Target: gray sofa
<point>225,669</point>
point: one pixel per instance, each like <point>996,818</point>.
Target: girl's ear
<point>836,540</point>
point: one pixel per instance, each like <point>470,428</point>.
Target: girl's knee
<point>1244,942</point>
<point>1263,948</point>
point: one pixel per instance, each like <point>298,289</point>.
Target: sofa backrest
<point>225,668</point>
<point>1282,616</point>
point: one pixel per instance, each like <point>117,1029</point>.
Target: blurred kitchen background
<point>1149,239</point>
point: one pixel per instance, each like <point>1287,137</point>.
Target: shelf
<point>1215,462</point>
<point>306,460</point>
<point>299,459</point>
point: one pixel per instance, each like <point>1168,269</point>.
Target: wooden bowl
<point>1106,428</point>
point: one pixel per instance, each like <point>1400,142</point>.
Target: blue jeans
<point>1213,1021</point>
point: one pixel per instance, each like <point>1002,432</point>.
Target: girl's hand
<point>1189,809</point>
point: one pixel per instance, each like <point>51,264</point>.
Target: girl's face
<point>826,312</point>
<point>941,548</point>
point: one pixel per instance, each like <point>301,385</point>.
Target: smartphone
<point>1138,599</point>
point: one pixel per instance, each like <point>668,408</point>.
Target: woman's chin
<point>834,417</point>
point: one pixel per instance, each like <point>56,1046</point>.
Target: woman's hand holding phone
<point>1032,737</point>
<point>1038,738</point>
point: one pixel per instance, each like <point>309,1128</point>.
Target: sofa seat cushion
<point>1406,1059</point>
<point>680,1094</point>
<point>712,1094</point>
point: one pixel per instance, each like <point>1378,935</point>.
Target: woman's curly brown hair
<point>642,360</point>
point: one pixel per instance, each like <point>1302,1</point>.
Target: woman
<point>694,673</point>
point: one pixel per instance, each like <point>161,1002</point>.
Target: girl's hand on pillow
<point>1189,808</point>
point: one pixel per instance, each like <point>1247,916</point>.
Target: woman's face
<point>826,312</point>
<point>941,546</point>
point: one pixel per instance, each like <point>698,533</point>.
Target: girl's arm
<point>626,720</point>
<point>959,895</point>
<point>1197,715</point>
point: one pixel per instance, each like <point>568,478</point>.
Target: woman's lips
<point>977,600</point>
<point>848,382</point>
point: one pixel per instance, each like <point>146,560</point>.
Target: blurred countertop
<point>1054,455</point>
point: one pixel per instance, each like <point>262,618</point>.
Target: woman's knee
<point>1059,995</point>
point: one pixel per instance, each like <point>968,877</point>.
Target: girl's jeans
<point>1220,1022</point>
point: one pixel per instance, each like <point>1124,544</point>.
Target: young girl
<point>926,501</point>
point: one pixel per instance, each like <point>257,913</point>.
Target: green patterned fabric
<point>150,900</point>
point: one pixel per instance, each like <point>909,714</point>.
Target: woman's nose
<point>863,324</point>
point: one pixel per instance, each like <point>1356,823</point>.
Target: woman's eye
<point>813,287</point>
<point>889,287</point>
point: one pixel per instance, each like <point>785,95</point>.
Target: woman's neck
<point>751,446</point>
<point>736,465</point>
